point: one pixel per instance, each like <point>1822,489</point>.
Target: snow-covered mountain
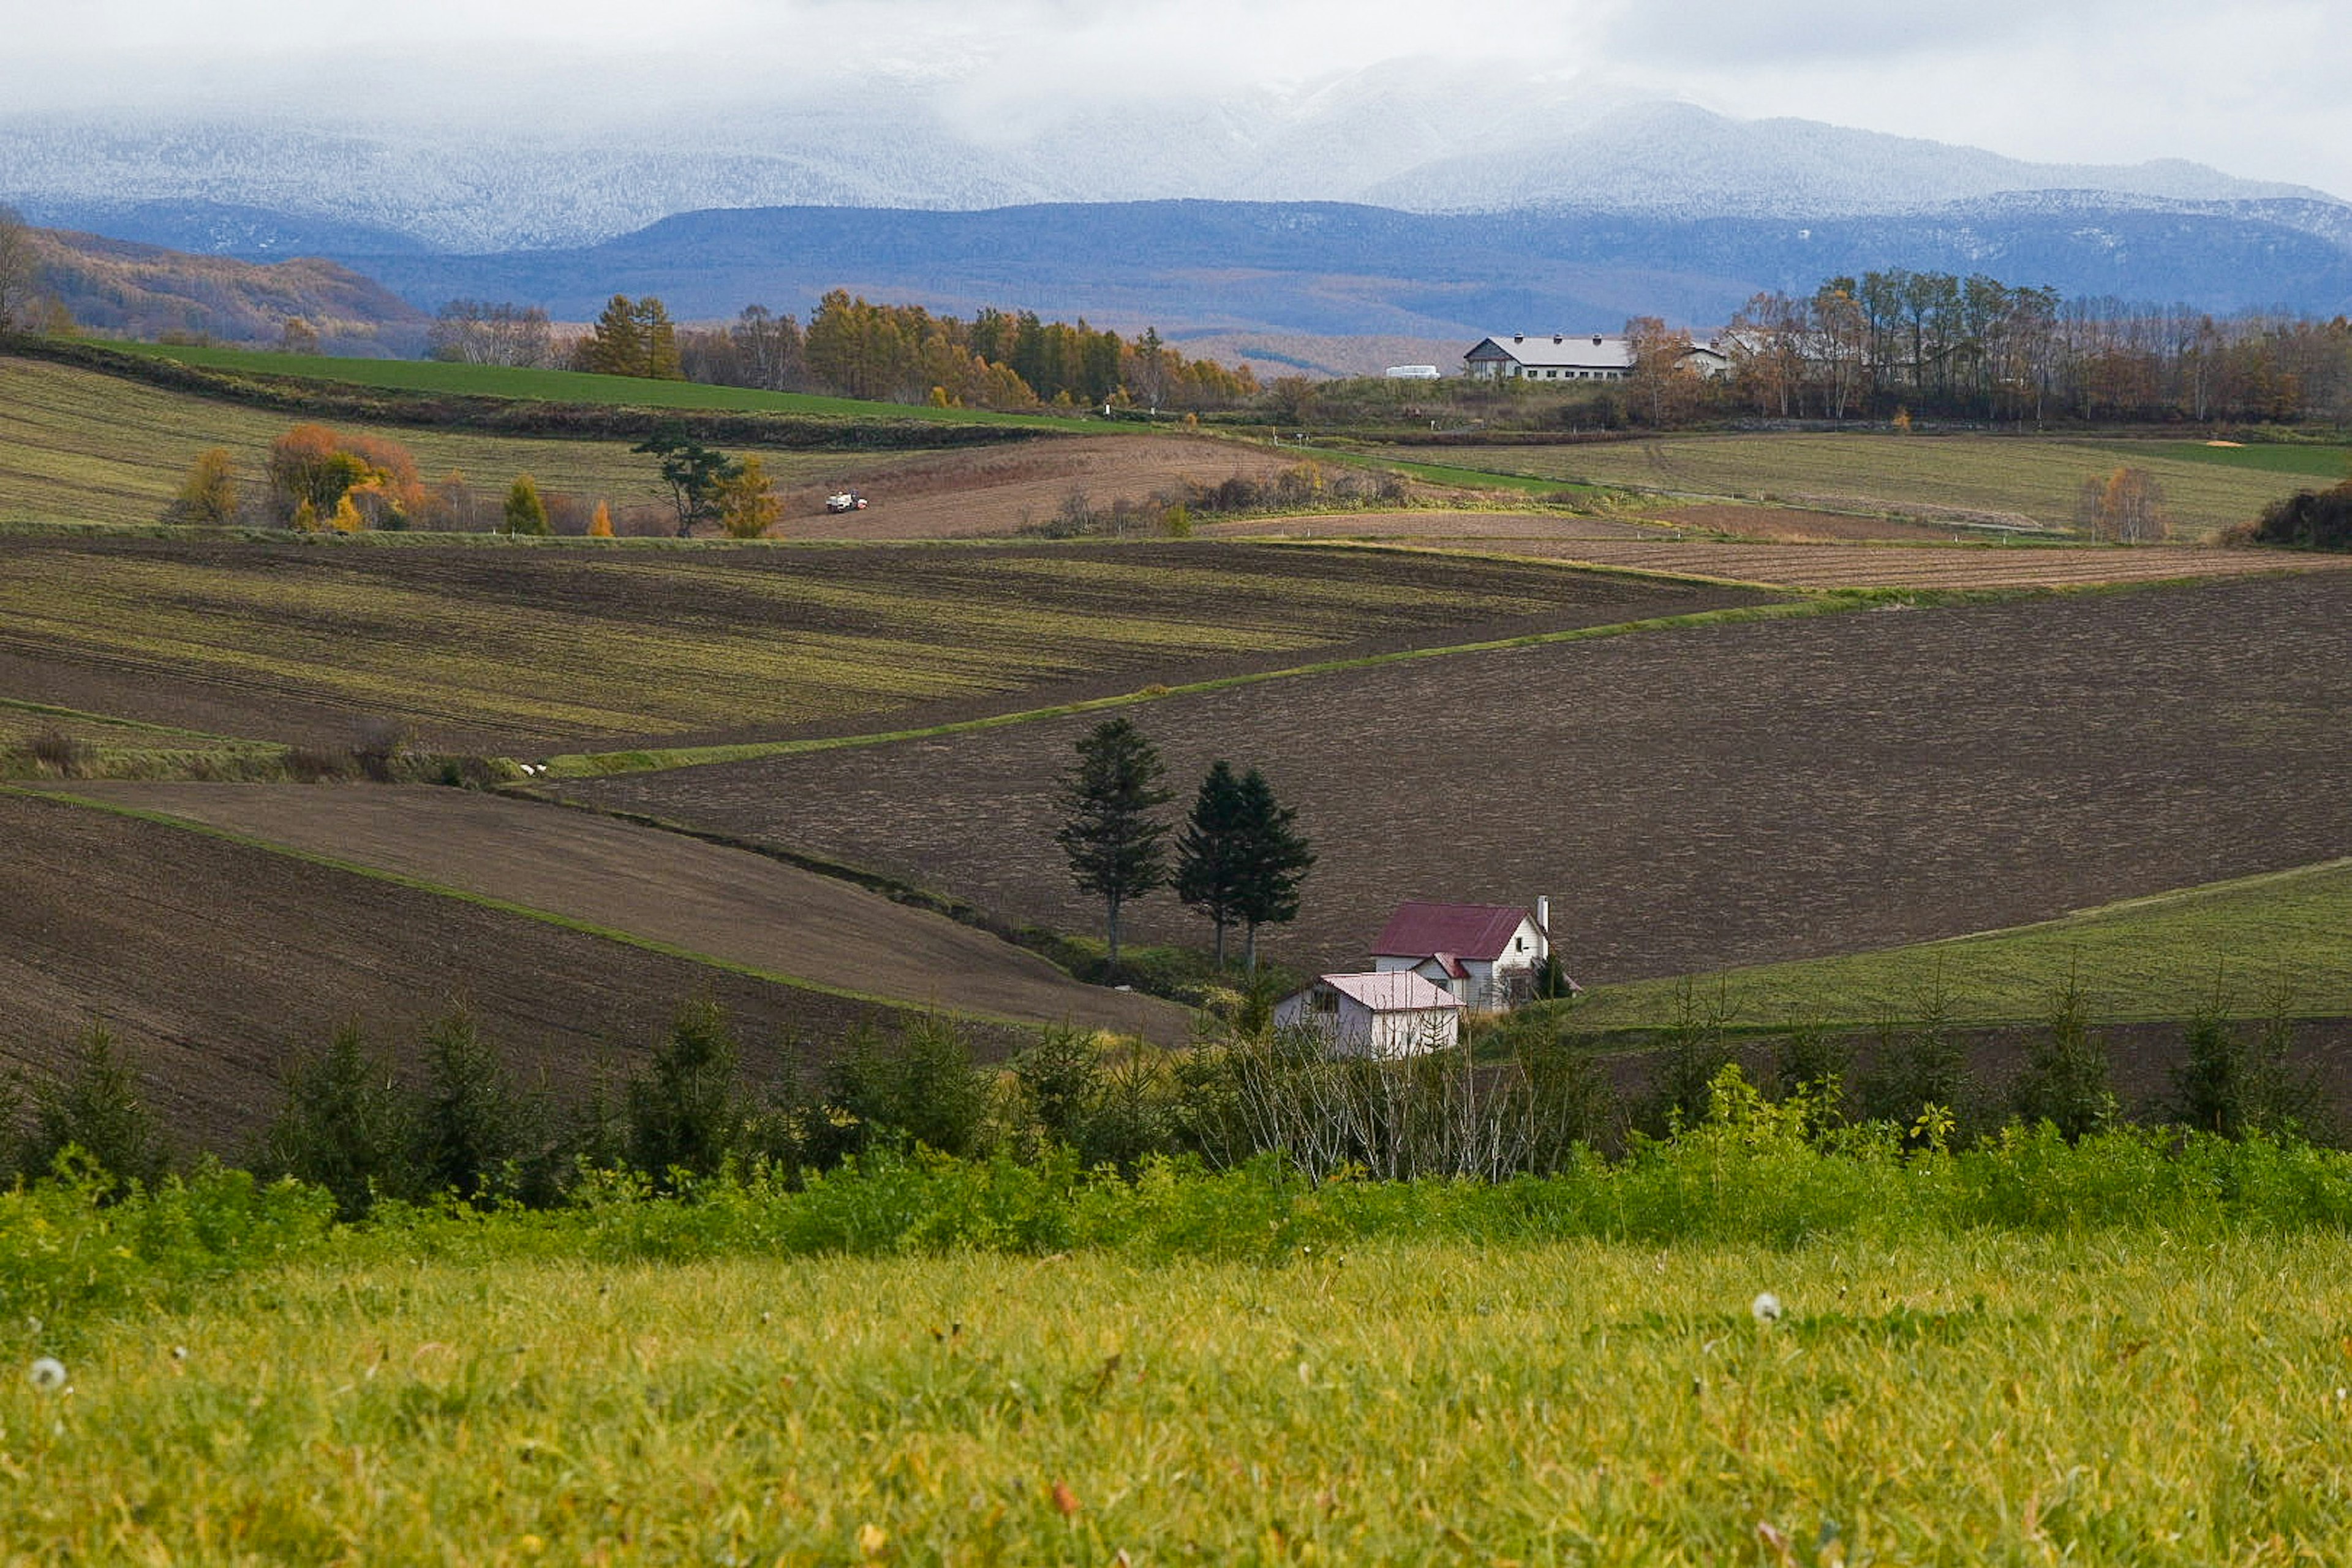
<point>1398,136</point>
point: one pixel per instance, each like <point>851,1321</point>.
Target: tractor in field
<point>846,501</point>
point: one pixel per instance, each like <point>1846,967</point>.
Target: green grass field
<point>2205,487</point>
<point>574,386</point>
<point>79,447</point>
<point>2258,939</point>
<point>903,1369</point>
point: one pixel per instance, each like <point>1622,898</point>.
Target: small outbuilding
<point>1375,1014</point>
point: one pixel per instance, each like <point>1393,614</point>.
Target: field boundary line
<point>605,765</point>
<point>2191,894</point>
<point>51,710</point>
<point>66,798</point>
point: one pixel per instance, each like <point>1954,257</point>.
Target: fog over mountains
<point>1646,203</point>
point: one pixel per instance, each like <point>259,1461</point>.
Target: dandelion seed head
<point>1766,1307</point>
<point>48,1374</point>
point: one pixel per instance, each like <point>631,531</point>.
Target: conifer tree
<point>1108,831</point>
<point>344,1126</point>
<point>1273,859</point>
<point>1209,874</point>
<point>616,345</point>
<point>747,507</point>
<point>94,1106</point>
<point>525,511</point>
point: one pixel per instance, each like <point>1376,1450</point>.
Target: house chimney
<point>1596,339</point>
<point>1518,337</point>
<point>1557,338</point>
<point>1543,915</point>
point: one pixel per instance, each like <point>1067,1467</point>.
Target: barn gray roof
<point>1558,351</point>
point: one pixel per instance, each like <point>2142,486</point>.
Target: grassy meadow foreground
<point>2112,1353</point>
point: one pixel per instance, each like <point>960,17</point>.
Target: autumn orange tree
<point>2125,508</point>
<point>315,465</point>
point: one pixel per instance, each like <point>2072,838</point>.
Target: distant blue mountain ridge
<point>1345,269</point>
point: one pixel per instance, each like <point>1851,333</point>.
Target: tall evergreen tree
<point>94,1106</point>
<point>1273,859</point>
<point>1209,873</point>
<point>1108,831</point>
<point>344,1126</point>
<point>614,346</point>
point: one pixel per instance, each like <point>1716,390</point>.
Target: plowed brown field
<point>216,964</point>
<point>732,904</point>
<point>1690,800</point>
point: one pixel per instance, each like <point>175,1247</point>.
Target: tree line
<point>1976,348</point>
<point>453,1123</point>
<point>318,479</point>
<point>851,347</point>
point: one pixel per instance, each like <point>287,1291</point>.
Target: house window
<point>1327,1001</point>
<point>1519,944</point>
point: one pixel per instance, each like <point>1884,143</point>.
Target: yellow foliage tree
<point>306,516</point>
<point>347,518</point>
<point>600,525</point>
<point>208,495</point>
<point>747,507</point>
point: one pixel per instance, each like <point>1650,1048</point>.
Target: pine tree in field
<point>525,511</point>
<point>616,346</point>
<point>1274,861</point>
<point>1108,831</point>
<point>1209,873</point>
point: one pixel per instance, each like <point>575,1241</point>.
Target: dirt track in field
<point>732,904</point>
<point>998,492</point>
<point>215,965</point>
<point>1695,799</point>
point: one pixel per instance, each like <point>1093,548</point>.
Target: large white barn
<point>1561,356</point>
<point>1577,356</point>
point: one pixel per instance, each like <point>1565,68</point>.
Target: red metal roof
<point>1423,930</point>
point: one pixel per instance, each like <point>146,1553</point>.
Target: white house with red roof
<point>1395,1013</point>
<point>1483,955</point>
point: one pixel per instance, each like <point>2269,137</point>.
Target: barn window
<point>1327,1001</point>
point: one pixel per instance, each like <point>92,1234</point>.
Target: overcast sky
<point>2254,88</point>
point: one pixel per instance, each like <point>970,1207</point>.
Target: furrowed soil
<point>1982,479</point>
<point>217,963</point>
<point>731,904</point>
<point>1690,799</point>
<point>517,647</point>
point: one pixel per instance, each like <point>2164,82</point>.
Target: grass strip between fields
<point>2277,940</point>
<point>600,764</point>
<point>508,907</point>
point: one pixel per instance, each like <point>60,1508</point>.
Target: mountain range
<point>1393,201</point>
